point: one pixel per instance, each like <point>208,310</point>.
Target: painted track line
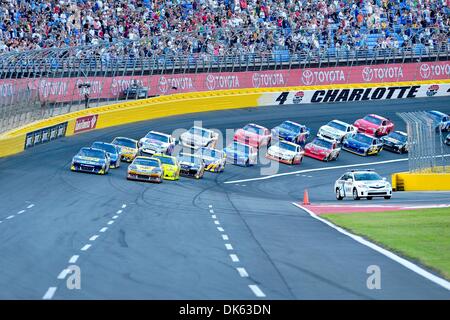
<point>21,211</point>
<point>86,247</point>
<point>242,272</point>
<point>411,266</point>
<point>63,274</point>
<point>94,237</point>
<point>103,229</point>
<point>234,257</point>
<point>50,293</point>
<point>225,237</point>
<point>220,229</point>
<point>74,258</point>
<point>10,217</point>
<point>256,290</point>
<point>30,206</point>
<point>228,246</point>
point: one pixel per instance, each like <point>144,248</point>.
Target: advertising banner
<point>85,123</point>
<point>45,135</point>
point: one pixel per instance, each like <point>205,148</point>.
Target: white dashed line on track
<point>242,272</point>
<point>94,237</point>
<point>103,229</point>
<point>216,222</point>
<point>210,206</point>
<point>225,237</point>
<point>234,257</point>
<point>50,293</point>
<point>86,247</point>
<point>220,229</point>
<point>228,246</point>
<point>10,217</point>
<point>211,211</point>
<point>214,216</point>
<point>110,222</point>
<point>30,206</point>
<point>124,206</point>
<point>256,290</point>
<point>63,274</point>
<point>115,217</point>
<point>119,211</point>
<point>74,258</point>
<point>21,211</point>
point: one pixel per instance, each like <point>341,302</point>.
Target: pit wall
<point>43,131</point>
<point>405,181</point>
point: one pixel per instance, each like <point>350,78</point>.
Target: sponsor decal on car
<point>85,123</point>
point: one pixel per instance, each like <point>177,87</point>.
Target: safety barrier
<point>69,124</point>
<point>405,181</point>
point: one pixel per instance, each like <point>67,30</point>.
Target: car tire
<point>369,198</point>
<point>387,197</point>
<point>355,194</point>
<point>338,194</point>
<point>247,162</point>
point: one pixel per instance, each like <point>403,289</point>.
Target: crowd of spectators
<point>218,27</point>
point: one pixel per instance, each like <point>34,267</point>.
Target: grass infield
<point>419,235</point>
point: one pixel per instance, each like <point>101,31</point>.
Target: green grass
<point>420,235</point>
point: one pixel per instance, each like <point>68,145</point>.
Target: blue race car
<point>91,160</point>
<point>241,154</point>
<point>112,150</point>
<point>362,144</point>
<point>292,132</point>
<point>441,120</point>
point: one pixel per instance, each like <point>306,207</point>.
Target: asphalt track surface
<point>164,241</point>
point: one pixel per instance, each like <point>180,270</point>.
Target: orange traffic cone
<point>306,197</point>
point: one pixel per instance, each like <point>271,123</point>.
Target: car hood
<point>170,167</point>
<point>315,148</point>
<point>277,149</point>
<point>356,144</point>
<point>146,142</point>
<point>332,131</point>
<point>372,183</point>
<point>391,140</point>
<point>141,168</point>
<point>284,132</point>
<point>88,159</point>
<point>366,124</point>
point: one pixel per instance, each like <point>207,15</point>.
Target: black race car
<point>191,165</point>
<point>396,141</point>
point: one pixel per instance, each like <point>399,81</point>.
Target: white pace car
<point>198,137</point>
<point>336,130</point>
<point>156,142</point>
<point>285,152</point>
<point>362,184</point>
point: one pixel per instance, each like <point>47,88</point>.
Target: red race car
<point>374,125</point>
<point>253,135</point>
<point>322,149</point>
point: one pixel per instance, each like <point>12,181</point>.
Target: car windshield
<point>189,159</point>
<point>367,176</point>
<point>105,146</point>
<point>157,136</point>
<point>323,143</point>
<point>124,143</point>
<point>211,153</point>
<point>146,162</point>
<point>91,153</point>
<point>397,136</point>
<point>254,129</point>
<point>288,146</point>
<point>166,160</point>
<point>363,138</point>
<point>337,126</point>
<point>373,119</point>
<point>240,148</point>
<point>199,132</point>
<point>291,126</point>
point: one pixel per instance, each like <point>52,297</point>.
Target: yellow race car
<point>145,169</point>
<point>170,166</point>
<point>128,148</point>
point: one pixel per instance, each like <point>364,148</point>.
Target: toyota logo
<point>367,74</point>
<point>307,77</point>
<point>256,79</point>
<point>425,71</point>
<point>210,82</point>
<point>163,85</point>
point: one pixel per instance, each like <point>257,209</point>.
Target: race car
<point>336,130</point>
<point>285,152</point>
<point>170,166</point>
<point>441,120</point>
<point>241,154</point>
<point>156,142</point>
<point>447,140</point>
<point>213,159</point>
<point>362,144</point>
<point>112,151</point>
<point>374,125</point>
<point>191,165</point>
<point>128,148</point>
<point>91,160</point>
<point>362,184</point>
<point>145,169</point>
<point>396,141</point>
<point>292,132</point>
<point>254,135</point>
<point>197,137</point>
<point>322,149</point>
